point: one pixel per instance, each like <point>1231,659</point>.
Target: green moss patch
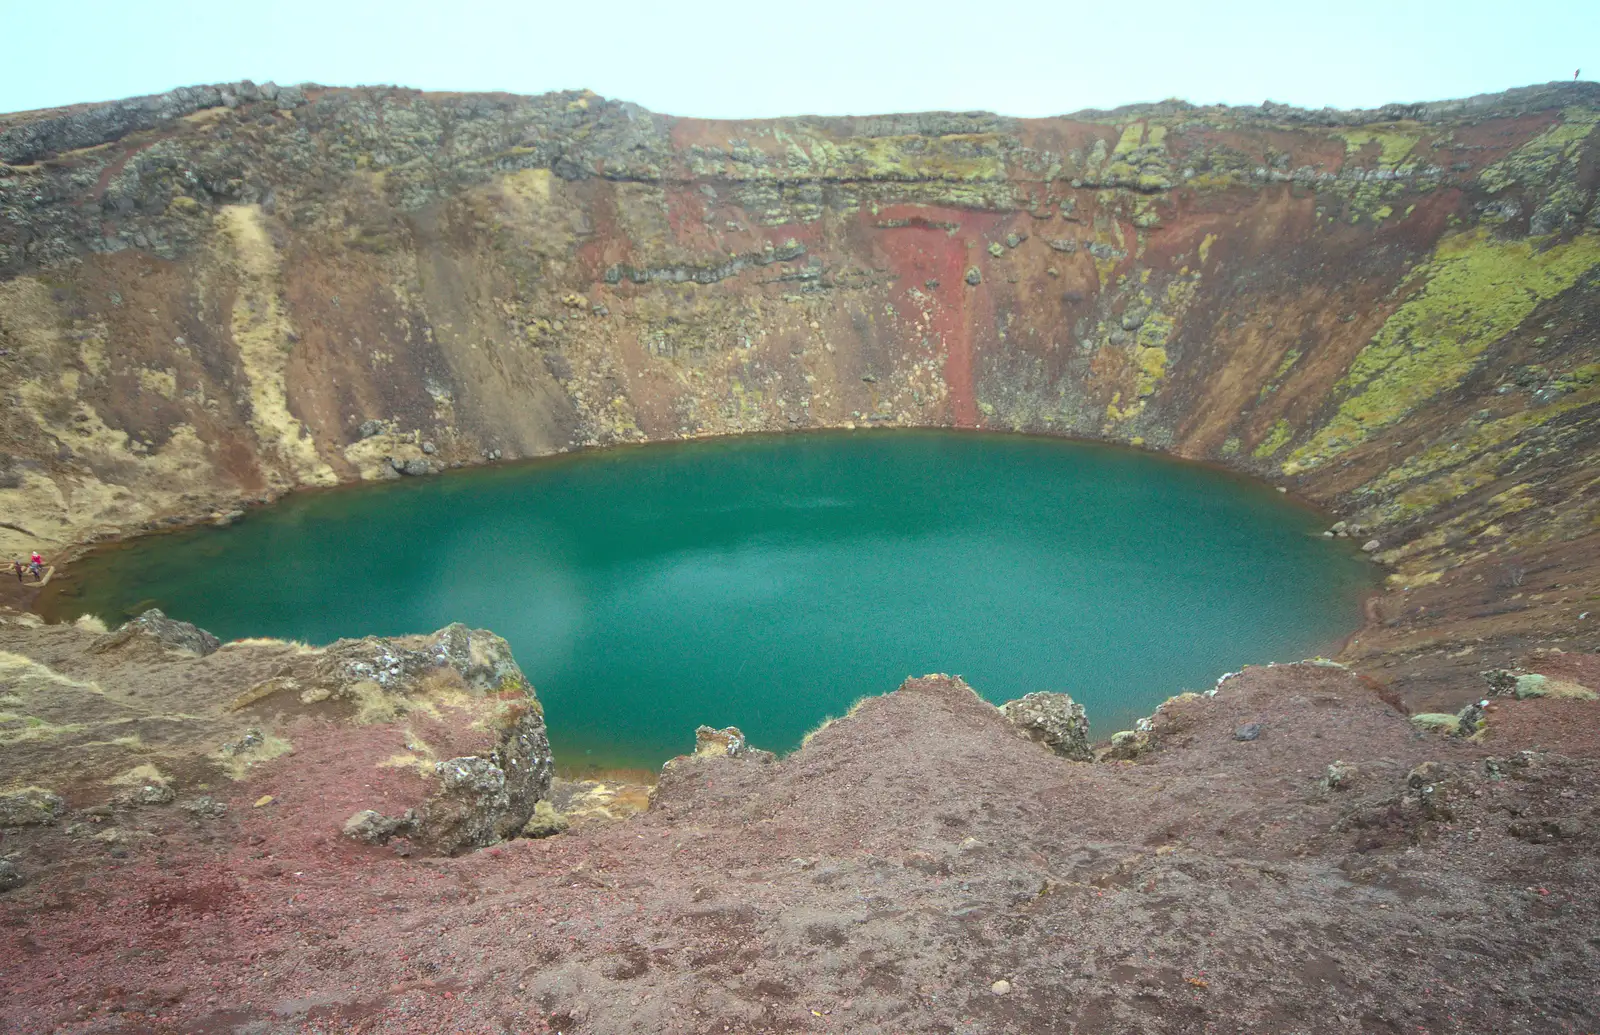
<point>1478,290</point>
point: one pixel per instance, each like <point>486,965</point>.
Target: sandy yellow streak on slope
<point>261,333</point>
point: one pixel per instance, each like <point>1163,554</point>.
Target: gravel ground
<point>916,867</point>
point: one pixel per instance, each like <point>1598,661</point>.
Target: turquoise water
<point>768,582</point>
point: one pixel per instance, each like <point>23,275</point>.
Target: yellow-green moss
<point>1480,440</point>
<point>1152,368</point>
<point>1132,134</point>
<point>1437,722</point>
<point>1394,145</point>
<point>1478,290</point>
<point>1538,159</point>
<point>1276,439</point>
<point>1155,331</point>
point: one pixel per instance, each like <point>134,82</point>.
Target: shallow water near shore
<point>768,582</point>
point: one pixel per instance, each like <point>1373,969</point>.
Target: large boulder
<point>1054,720</point>
<point>155,628</point>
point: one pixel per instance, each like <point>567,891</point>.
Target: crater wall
<point>224,293</point>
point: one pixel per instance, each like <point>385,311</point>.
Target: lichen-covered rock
<point>1472,717</point>
<point>30,806</point>
<point>1054,720</point>
<point>156,628</point>
<point>1127,746</point>
<point>374,828</point>
<point>10,876</point>
<point>466,680</point>
<point>729,741</point>
<point>712,746</point>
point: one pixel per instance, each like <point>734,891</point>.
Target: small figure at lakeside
<point>36,565</point>
<point>17,567</point>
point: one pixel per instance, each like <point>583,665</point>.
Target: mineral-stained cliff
<point>227,292</point>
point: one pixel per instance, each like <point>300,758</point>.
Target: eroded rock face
<point>1054,720</point>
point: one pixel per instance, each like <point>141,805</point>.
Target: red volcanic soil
<point>884,878</point>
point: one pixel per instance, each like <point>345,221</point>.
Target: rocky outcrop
<point>86,125</point>
<point>436,739</point>
<point>471,798</point>
<point>1054,720</point>
<point>156,628</point>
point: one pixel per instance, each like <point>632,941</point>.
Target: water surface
<point>768,582</point>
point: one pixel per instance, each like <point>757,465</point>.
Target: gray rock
<point>370,428</point>
<point>1338,776</point>
<point>1054,720</point>
<point>1500,681</point>
<point>374,828</point>
<point>974,276</point>
<point>1249,731</point>
<point>205,807</point>
<point>1472,717</point>
<point>729,742</point>
<point>1063,244</point>
<point>31,806</point>
<point>97,124</point>
<point>416,467</point>
<point>1371,546</point>
<point>1013,239</point>
<point>10,876</point>
<point>1133,319</point>
<point>429,448</point>
<point>152,794</point>
<point>252,737</point>
<point>155,627</point>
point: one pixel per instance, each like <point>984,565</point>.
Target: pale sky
<point>758,58</point>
